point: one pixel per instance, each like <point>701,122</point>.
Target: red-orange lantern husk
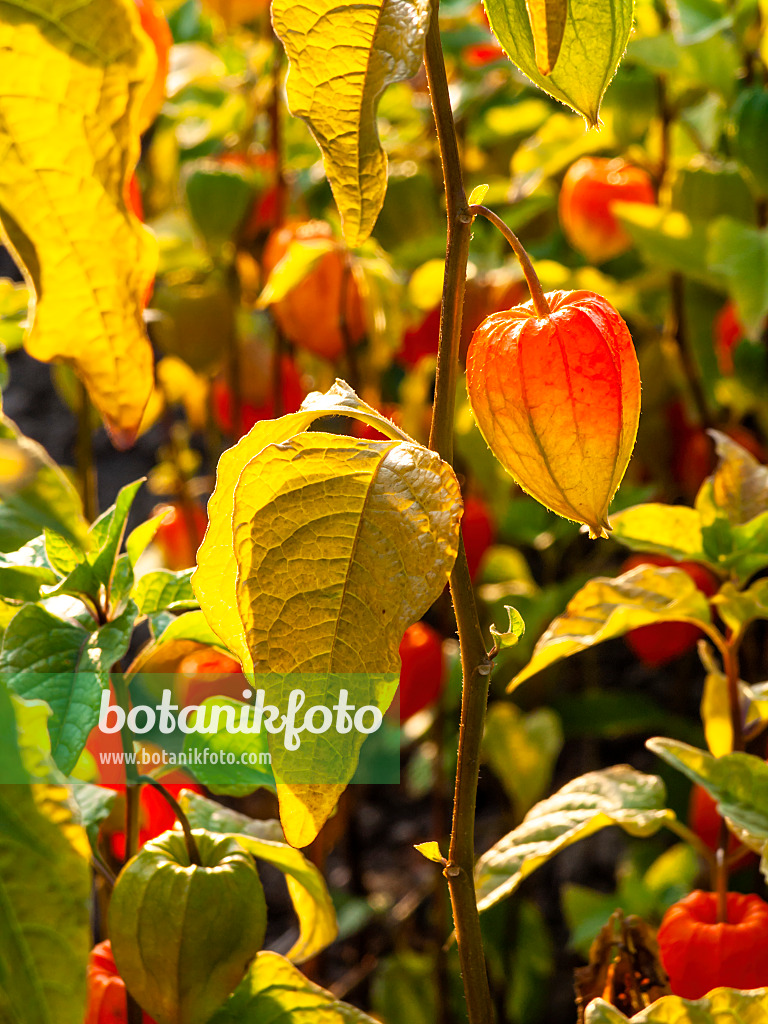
<point>557,398</point>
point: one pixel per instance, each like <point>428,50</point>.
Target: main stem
<point>475,663</point>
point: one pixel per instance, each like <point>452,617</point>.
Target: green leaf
<point>737,782</point>
<point>44,914</point>
<point>593,42</point>
<point>61,553</point>
<point>95,804</point>
<point>55,660</point>
<point>79,74</point>
<point>222,777</point>
<point>336,89</point>
<point>105,537</point>
<point>23,572</point>
<point>721,1006</point>
<point>516,629</point>
<point>34,493</point>
<point>613,796</point>
<point>164,590</point>
<point>266,841</point>
<point>522,750</point>
<point>138,539</point>
<point>673,530</point>
<point>382,519</point>
<point>275,991</point>
<point>606,608</point>
<point>739,253</point>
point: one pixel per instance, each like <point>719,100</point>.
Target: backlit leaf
<point>720,1006</point>
<point>34,493</point>
<point>673,530</point>
<point>737,782</point>
<point>740,253</point>
<point>44,889</point>
<point>614,796</point>
<point>521,750</point>
<point>163,589</point>
<point>341,545</point>
<point>74,77</point>
<point>336,88</point>
<point>739,485</point>
<point>265,840</point>
<point>547,19</point>
<point>594,37</point>
<point>214,578</point>
<point>274,991</point>
<point>608,608</point>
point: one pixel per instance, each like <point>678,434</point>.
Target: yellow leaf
<point>214,578</point>
<point>547,20</point>
<point>340,544</point>
<point>720,1006</point>
<point>342,57</point>
<point>673,530</point>
<point>716,714</point>
<point>431,851</point>
<point>73,79</point>
<point>607,608</point>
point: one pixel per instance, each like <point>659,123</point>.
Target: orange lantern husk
<point>557,398</point>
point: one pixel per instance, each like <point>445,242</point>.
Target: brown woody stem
<point>538,297</point>
<point>474,659</point>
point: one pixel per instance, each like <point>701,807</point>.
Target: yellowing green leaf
<point>738,783</point>
<point>275,991</point>
<point>265,840</point>
<point>739,485</point>
<point>606,608</point>
<point>74,77</point>
<point>214,578</point>
<point>547,19</point>
<point>720,1006</point>
<point>673,530</point>
<point>592,42</point>
<point>614,796</point>
<point>737,608</point>
<point>302,256</point>
<point>340,545</point>
<point>521,750</point>
<point>342,57</point>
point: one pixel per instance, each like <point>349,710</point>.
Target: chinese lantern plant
<point>311,289</point>
<point>589,189</point>
<point>554,385</point>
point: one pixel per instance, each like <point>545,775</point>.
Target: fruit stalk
<point>86,467</point>
<point>474,659</point>
<point>189,839</point>
<point>531,277</point>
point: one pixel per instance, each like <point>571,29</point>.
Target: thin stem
<point>173,803</point>
<point>721,876</point>
<point>679,332</point>
<point>731,666</point>
<point>276,134</point>
<point>475,664</point>
<point>538,297</point>
<point>457,245</point>
<point>86,467</point>
<point>690,837</point>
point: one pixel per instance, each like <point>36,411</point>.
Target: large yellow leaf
<point>72,79</point>
<point>343,55</point>
<point>341,544</point>
<point>606,608</point>
<point>214,578</point>
<point>720,1006</point>
<point>673,530</point>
